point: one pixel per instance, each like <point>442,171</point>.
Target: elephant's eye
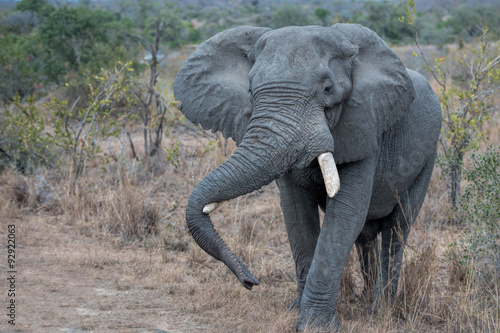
<point>327,88</point>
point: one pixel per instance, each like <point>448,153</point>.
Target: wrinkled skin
<point>288,95</point>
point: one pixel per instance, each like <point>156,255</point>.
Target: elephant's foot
<point>381,301</point>
<point>365,299</point>
<point>374,308</point>
<point>295,305</point>
<point>317,323</point>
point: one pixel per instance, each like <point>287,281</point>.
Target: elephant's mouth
<point>328,170</point>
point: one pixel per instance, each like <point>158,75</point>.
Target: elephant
<point>333,116</point>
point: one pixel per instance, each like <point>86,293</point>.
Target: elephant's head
<point>286,97</point>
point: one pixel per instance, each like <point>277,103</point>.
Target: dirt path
<point>71,283</point>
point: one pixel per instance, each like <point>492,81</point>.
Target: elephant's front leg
<point>345,216</point>
<point>300,211</point>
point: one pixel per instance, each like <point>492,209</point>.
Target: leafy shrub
<point>25,143</point>
<point>33,136</point>
<point>19,69</point>
<point>76,39</point>
<point>477,250</point>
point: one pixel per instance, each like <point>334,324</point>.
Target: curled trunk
<point>271,146</point>
<point>236,177</point>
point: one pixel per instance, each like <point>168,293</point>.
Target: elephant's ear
<point>213,84</point>
<point>382,92</point>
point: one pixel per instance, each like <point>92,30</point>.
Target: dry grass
<point>112,254</point>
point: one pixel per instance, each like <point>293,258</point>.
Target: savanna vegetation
<point>97,164</point>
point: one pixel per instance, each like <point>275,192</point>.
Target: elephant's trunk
<point>239,175</point>
<point>272,145</point>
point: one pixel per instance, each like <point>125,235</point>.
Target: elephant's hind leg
<point>368,254</point>
<point>395,230</point>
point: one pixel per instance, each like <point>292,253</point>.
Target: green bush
<point>477,250</point>
<point>79,39</point>
<point>24,142</point>
<point>19,68</point>
<point>296,15</point>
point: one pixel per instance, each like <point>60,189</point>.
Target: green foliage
<point>477,250</point>
<point>466,22</point>
<point>385,19</point>
<point>481,204</point>
<point>19,66</point>
<point>459,24</point>
<point>193,34</point>
<point>75,39</point>
<point>173,155</point>
<point>25,142</point>
<point>32,137</point>
<point>432,30</point>
<point>322,14</point>
<point>37,6</point>
<point>292,15</point>
<point>44,45</point>
<point>174,30</point>
<point>146,16</point>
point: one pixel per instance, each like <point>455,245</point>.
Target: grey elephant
<point>333,116</point>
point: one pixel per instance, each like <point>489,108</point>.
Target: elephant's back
<point>425,109</point>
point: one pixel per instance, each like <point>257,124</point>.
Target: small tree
<point>467,100</point>
<point>153,108</point>
<point>80,130</point>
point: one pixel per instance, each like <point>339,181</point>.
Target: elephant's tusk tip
<point>211,207</point>
<point>332,190</point>
<point>330,173</point>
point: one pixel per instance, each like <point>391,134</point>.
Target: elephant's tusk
<point>211,207</point>
<point>330,173</point>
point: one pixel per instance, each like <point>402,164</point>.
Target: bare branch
<point>140,38</point>
<point>425,58</point>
